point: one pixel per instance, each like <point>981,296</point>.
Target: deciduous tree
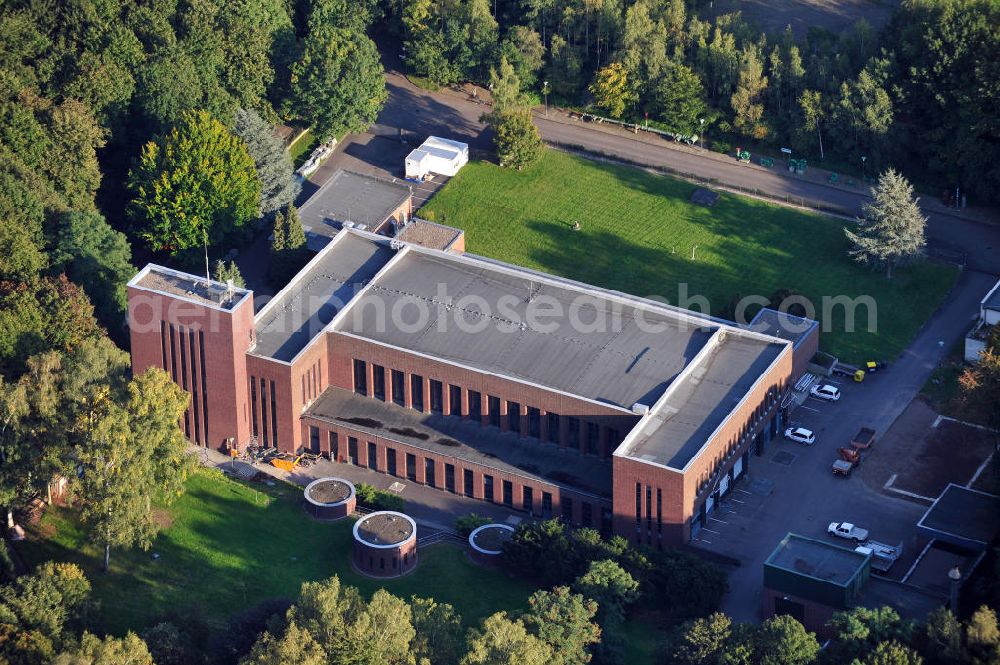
<point>564,621</point>
<point>197,183</point>
<point>438,629</point>
<point>613,91</point>
<point>501,641</point>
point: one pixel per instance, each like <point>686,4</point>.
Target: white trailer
<point>436,155</point>
<point>883,555</point>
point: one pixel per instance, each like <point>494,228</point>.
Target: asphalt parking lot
<point>791,488</point>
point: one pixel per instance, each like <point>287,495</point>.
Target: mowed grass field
<point>638,232</point>
<point>228,545</point>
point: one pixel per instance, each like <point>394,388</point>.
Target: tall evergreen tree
<point>890,231</point>
<point>278,184</point>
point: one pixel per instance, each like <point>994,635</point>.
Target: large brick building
<point>476,377</point>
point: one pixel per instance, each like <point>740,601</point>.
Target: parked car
<point>847,530</point>
<point>842,467</point>
<point>826,392</point>
<point>800,435</point>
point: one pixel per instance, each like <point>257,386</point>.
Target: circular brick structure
<point>385,544</point>
<point>486,542</point>
<point>330,498</point>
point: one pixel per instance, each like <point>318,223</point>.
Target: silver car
<point>800,435</point>
<point>826,392</point>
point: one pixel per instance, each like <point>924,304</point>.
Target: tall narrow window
<point>527,498</point>
<point>437,396</point>
<point>352,450</point>
<point>566,505</point>
<point>593,438</point>
<point>417,391</point>
<point>649,507</point>
<point>263,412</point>
<point>508,493</point>
<point>429,478</point>
<point>546,504</point>
<point>659,510</point>
<point>534,422</point>
<point>573,432</point>
<point>553,433</point>
<point>378,382</point>
<point>372,456</point>
<point>513,416</point>
<point>411,466</point>
<point>487,487</point>
<point>274,417</point>
<point>390,461</point>
<point>455,400</point>
<point>467,483</point>
<point>475,405</point>
<point>313,439</point>
<point>638,505</point>
<point>253,406</point>
<point>360,377</point>
<point>586,514</point>
<point>398,387</point>
<point>449,477</point>
<point>334,447</point>
<point>494,407</point>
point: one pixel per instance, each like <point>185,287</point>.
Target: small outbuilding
<point>385,544</point>
<point>330,498</point>
<point>436,155</point>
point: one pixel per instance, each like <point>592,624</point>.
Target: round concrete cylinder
<point>330,498</point>
<point>385,544</point>
<point>486,542</point>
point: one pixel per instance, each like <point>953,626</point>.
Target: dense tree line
<point>922,93</point>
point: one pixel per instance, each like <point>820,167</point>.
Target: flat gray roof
<point>188,287</point>
<point>678,427</point>
<point>963,515</point>
<point>310,301</point>
<point>781,324</point>
<point>428,234</point>
<point>596,349</point>
<point>816,559</point>
<point>349,196</point>
<point>465,439</point>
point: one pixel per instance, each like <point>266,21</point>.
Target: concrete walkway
<point>431,508</point>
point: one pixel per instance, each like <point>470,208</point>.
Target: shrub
<point>376,499</point>
<point>466,524</point>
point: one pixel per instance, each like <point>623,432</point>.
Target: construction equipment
<point>286,462</point>
<point>851,455</point>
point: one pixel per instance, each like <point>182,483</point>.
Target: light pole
<point>863,172</point>
<point>955,576</point>
<point>701,122</point>
<point>545,91</point>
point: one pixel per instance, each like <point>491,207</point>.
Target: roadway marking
<point>737,501</point>
<point>705,528</point>
<point>744,491</point>
<point>702,540</point>
<point>718,520</point>
<point>809,408</point>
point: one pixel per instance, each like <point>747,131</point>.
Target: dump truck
<point>864,439</point>
<point>883,555</point>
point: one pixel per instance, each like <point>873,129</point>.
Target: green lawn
<point>230,545</point>
<point>638,231</point>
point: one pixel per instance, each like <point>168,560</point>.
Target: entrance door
<point>724,485</point>
<point>738,468</point>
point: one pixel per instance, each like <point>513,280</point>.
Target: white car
<point>847,530</point>
<point>826,392</point>
<point>800,435</point>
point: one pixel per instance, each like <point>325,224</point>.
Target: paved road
<point>455,115</point>
<point>806,495</point>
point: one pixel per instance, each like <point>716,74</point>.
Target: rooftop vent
<point>640,409</point>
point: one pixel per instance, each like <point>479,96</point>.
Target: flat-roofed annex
<point>300,311</point>
<point>603,347</point>
<point>680,424</point>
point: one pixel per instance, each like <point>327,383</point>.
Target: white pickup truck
<point>847,530</point>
